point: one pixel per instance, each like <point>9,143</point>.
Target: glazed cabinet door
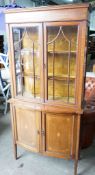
<point>27,61</point>
<point>27,126</point>
<point>58,135</point>
<point>63,62</point>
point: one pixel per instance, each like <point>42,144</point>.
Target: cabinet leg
<point>15,151</point>
<point>77,145</point>
<point>75,167</point>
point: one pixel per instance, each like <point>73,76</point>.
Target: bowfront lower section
<point>45,132</point>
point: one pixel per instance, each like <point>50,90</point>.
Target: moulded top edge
<point>46,8</point>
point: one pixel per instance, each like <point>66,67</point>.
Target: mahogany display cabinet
<point>47,51</point>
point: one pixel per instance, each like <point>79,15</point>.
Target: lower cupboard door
<point>58,135</point>
<point>28,128</point>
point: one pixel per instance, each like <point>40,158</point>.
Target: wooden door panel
<point>28,126</point>
<point>59,134</point>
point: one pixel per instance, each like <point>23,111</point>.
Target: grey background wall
<point>1,2</point>
<point>26,3</point>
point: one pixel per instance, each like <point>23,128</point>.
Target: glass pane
<point>31,88</point>
<point>19,84</point>
<point>61,54</point>
<point>27,61</point>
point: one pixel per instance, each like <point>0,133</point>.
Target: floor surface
<point>35,164</point>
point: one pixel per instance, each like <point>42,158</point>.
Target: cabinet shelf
<point>26,51</point>
<point>59,78</point>
<point>61,52</point>
<point>64,99</point>
<point>30,75</point>
<point>29,95</point>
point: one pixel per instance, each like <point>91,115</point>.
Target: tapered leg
<point>75,167</point>
<point>13,131</point>
<point>15,151</point>
<point>77,145</point>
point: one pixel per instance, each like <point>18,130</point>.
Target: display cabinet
<point>47,51</point>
